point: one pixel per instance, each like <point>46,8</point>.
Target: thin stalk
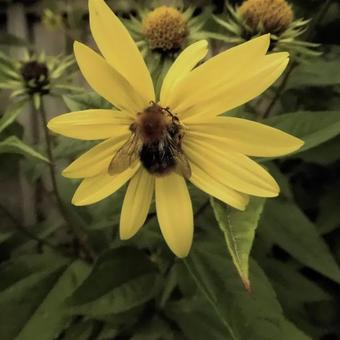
<point>279,91</point>
<point>80,237</point>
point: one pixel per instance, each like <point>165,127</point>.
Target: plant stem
<point>279,91</point>
<point>80,237</point>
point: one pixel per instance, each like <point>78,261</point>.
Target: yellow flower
<point>165,28</point>
<point>154,144</point>
<point>275,16</point>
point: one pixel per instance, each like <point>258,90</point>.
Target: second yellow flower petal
<point>94,189</point>
<point>245,136</point>
<point>174,213</point>
<point>235,170</point>
<point>119,49</point>
<point>106,81</point>
<point>90,124</point>
<point>136,203</point>
<point>97,159</point>
<point>183,64</point>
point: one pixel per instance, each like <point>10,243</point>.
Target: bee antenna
<point>167,109</point>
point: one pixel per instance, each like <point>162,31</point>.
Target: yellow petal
<point>118,48</point>
<point>217,71</point>
<point>106,81</point>
<point>212,186</point>
<point>94,189</point>
<point>245,136</point>
<point>97,159</point>
<point>90,124</point>
<point>183,64</point>
<point>136,203</point>
<point>244,88</point>
<point>232,169</point>
<point>174,213</point>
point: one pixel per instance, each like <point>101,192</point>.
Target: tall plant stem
<point>279,91</point>
<point>78,234</point>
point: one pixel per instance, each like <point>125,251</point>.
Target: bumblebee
<point>156,138</point>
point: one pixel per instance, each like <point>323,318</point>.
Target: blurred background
<point>64,274</point>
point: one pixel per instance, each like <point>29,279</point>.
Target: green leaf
<point>14,145</point>
<point>5,235</point>
<point>50,317</point>
<point>324,154</point>
<point>155,329</point>
<point>320,72</point>
<point>22,267</point>
<point>122,279</point>
<point>86,101</point>
<point>80,331</point>
<point>239,231</point>
<point>314,128</point>
<point>11,114</point>
<point>329,213</point>
<point>295,292</point>
<point>256,316</point>
<point>292,285</point>
<point>285,224</point>
<point>197,322</point>
<point>32,294</point>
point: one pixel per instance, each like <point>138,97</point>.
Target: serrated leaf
<point>122,279</point>
<point>285,224</point>
<point>256,316</point>
<point>239,228</point>
<point>14,145</point>
<point>314,128</point>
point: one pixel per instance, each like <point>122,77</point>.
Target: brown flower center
<point>165,29</point>
<point>267,16</point>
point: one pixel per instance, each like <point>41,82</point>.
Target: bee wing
<point>126,155</point>
<point>183,165</point>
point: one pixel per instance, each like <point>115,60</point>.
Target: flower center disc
<point>165,28</point>
<point>274,15</point>
<point>35,76</point>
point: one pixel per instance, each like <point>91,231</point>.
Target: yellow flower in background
<point>275,16</point>
<point>156,144</point>
<point>165,28</point>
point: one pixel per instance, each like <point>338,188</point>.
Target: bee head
<point>152,123</point>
